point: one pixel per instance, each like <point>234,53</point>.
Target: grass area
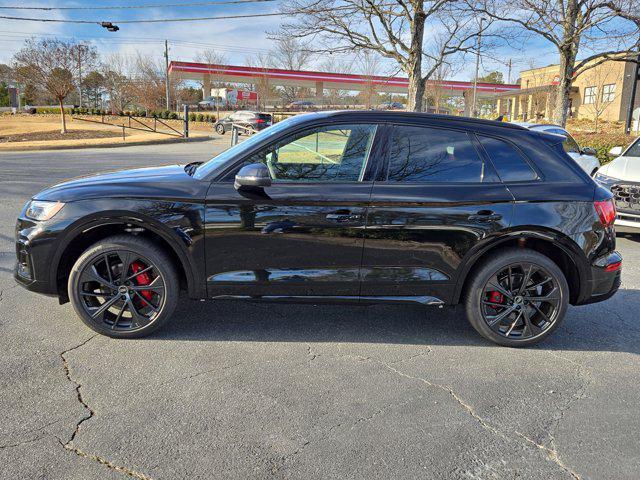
<point>33,132</point>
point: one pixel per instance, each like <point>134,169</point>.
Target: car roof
<point>402,115</point>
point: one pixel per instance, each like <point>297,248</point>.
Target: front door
<point>437,196</point>
<point>302,236</point>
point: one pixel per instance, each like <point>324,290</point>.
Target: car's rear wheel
<point>124,287</point>
<point>220,129</point>
<point>517,297</point>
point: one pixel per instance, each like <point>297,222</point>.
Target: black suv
<point>338,207</point>
<point>252,121</point>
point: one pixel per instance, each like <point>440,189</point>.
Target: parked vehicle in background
<point>355,206</point>
<point>622,176</point>
<point>210,103</point>
<point>585,157</point>
<point>390,106</point>
<point>244,118</point>
<point>301,105</point>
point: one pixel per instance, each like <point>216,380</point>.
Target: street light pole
<point>475,78</point>
<point>166,72</point>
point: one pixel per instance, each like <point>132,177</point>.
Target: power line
<point>132,7</point>
<point>173,20</point>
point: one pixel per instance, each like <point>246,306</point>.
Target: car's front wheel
<point>517,297</point>
<point>124,287</point>
<point>220,129</point>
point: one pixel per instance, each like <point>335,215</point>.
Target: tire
<point>220,129</point>
<point>526,324</point>
<point>593,174</point>
<point>96,279</point>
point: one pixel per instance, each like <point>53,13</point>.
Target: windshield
<point>634,149</point>
<point>239,150</point>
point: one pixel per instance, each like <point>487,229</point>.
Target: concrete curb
<point>106,145</point>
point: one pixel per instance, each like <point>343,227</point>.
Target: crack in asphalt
<point>552,453</point>
<point>90,413</point>
<point>24,442</point>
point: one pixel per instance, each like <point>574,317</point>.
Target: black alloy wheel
<point>517,298</point>
<point>123,287</point>
<point>220,129</point>
<point>521,301</point>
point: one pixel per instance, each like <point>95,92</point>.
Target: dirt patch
<point>56,135</point>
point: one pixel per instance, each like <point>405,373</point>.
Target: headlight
<point>605,180</point>
<point>42,210</point>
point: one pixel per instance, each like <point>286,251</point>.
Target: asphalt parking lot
<point>236,390</point>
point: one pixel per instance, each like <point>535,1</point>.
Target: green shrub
<point>602,142</point>
<point>200,118</point>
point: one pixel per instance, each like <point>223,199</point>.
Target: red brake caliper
<point>142,279</point>
<point>495,297</point>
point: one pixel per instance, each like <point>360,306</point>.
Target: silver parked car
<point>585,157</point>
<point>622,177</point>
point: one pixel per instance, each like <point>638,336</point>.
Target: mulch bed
<point>56,135</point>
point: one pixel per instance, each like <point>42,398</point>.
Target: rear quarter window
<point>508,161</point>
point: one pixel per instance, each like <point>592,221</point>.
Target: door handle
<point>485,216</point>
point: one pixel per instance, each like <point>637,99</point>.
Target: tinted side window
<point>422,154</point>
<point>322,154</point>
<point>511,165</point>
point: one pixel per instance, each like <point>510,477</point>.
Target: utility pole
<point>509,74</point>
<point>632,99</point>
<point>80,49</point>
<point>475,78</point>
<point>166,72</point>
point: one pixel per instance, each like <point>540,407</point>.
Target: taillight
<point>259,120</point>
<point>606,211</point>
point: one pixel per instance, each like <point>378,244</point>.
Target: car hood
<point>151,182</point>
<point>624,168</point>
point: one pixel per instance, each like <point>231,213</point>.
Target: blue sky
<point>236,39</point>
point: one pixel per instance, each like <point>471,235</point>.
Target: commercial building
<point>602,92</point>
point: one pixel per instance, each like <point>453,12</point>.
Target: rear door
<point>436,197</point>
<point>303,235</point>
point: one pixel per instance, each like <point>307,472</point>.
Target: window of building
<point>609,92</point>
<point>434,155</point>
<point>590,95</point>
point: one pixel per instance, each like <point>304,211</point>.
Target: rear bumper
<point>606,277</point>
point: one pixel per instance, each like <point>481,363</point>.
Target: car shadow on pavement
<point>607,326</point>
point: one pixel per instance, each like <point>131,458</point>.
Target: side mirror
<point>615,152</point>
<point>589,151</point>
<point>254,175</point>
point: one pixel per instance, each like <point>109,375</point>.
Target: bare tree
<point>117,82</point>
<point>261,85</point>
<point>368,64</point>
<point>148,85</point>
<point>333,64</point>
<point>567,25</point>
<point>211,80</point>
<point>49,64</point>
<point>419,35</point>
<point>290,54</point>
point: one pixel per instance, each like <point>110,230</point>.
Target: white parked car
<point>585,157</point>
<point>622,176</point>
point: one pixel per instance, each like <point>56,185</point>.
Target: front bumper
<point>34,246</point>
